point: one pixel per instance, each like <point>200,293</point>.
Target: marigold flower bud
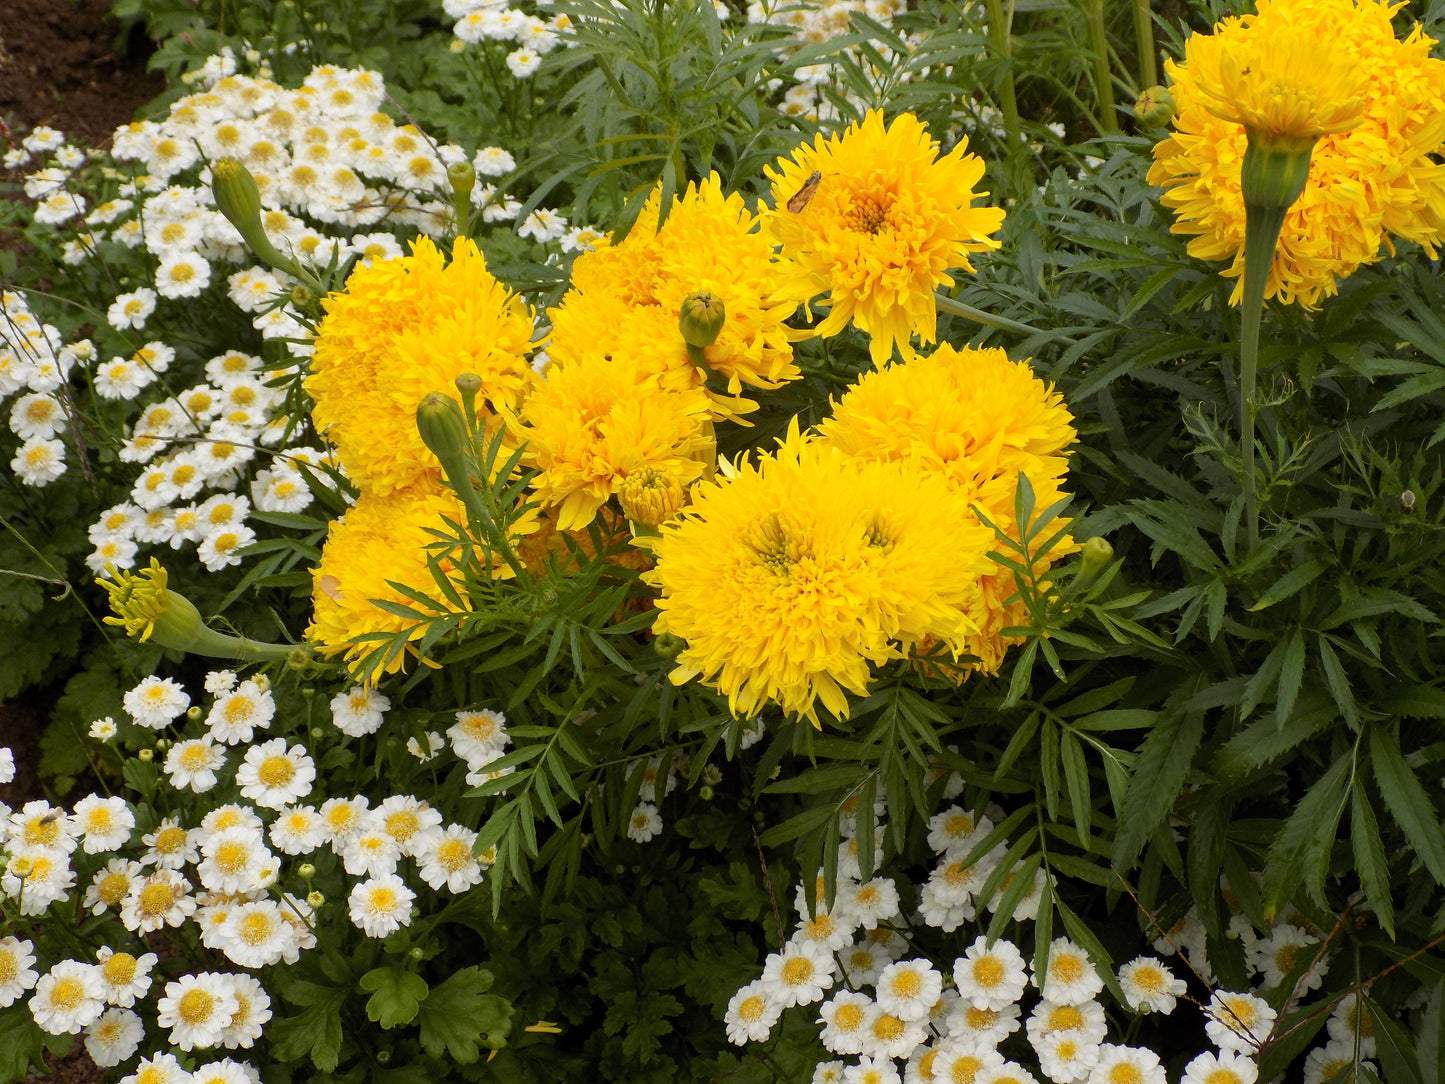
<point>1154,108</point>
<point>469,384</point>
<point>462,176</point>
<point>441,425</point>
<point>650,496</point>
<point>1274,173</point>
<point>701,318</point>
<point>668,646</point>
<point>238,198</point>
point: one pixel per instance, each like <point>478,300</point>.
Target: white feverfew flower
<point>280,490</point>
<point>237,715</point>
<point>273,776</point>
<point>1050,1017</point>
<point>342,818</point>
<point>956,829</point>
<point>871,1070</point>
<point>1326,1063</point>
<point>220,681</point>
<point>908,989</point>
<point>36,417</point>
<point>58,207</point>
<point>644,823</point>
<point>1287,946</point>
<point>158,1069</point>
<point>751,1014</point>
<point>990,977</point>
<point>435,743</point>
<point>39,824</point>
<point>798,974</point>
<point>358,712</point>
<point>381,906</point>
<point>67,998</point>
<point>182,275</point>
<point>234,860</point>
<point>256,935</point>
<point>130,311</point>
<point>103,729</point>
<point>156,702</point>
<point>170,846</point>
<point>1128,1065</point>
<point>445,859</point>
<point>844,1017</point>
<point>1227,1067</point>
<point>104,823</point>
<point>48,879</point>
<point>988,1027</point>
<point>298,830</point>
<point>1350,1023</point>
<point>253,1008</point>
<point>864,962</point>
<point>828,1072</point>
<point>1071,977</point>
<point>119,378</point>
<point>370,852</point>
<point>218,549</point>
<point>1067,1056</point>
<point>479,736</point>
<point>113,1037</point>
<point>39,462</point>
<point>1239,1022</point>
<point>126,977</point>
<point>962,1059</point>
<point>197,1009</point>
<point>17,973</point>
<point>408,821</point>
<point>1149,986</point>
<point>493,162</point>
<point>192,764</point>
<point>111,884</point>
<point>888,1036</point>
<point>830,930</point>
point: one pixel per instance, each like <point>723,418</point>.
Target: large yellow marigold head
<point>400,330</point>
<point>625,297</point>
<point>597,421</point>
<point>1294,71</point>
<point>875,219</point>
<point>975,420</point>
<point>790,579</point>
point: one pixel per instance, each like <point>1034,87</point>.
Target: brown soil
<point>58,66</point>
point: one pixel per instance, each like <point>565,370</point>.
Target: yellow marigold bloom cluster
<point>401,329</point>
<point>382,540</point>
<point>625,297</point>
<point>1296,70</point>
<point>595,422</point>
<point>875,219</point>
<point>791,579</point>
<point>975,420</point>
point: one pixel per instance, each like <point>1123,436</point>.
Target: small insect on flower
<point>803,196</point>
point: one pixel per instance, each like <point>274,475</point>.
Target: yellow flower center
<point>888,1027</point>
<point>255,928</point>
<point>956,873</point>
<point>119,970</point>
<point>1222,1076</point>
<point>988,972</point>
<point>1149,979</point>
<point>848,1017</point>
<point>751,1009</point>
<point>1239,1011</point>
<point>964,1069</point>
<point>171,234</point>
<point>67,993</point>
<point>798,970</point>
<point>1126,1072</point>
<point>981,1019</point>
<point>907,984</point>
<point>182,272</point>
<point>231,857</point>
<point>276,771</point>
<point>382,899</point>
<point>453,855</point>
<point>170,840</point>
<point>156,899</point>
<point>1064,1018</point>
<point>9,967</point>
<point>1067,967</point>
<point>195,1006</point>
<point>402,825</point>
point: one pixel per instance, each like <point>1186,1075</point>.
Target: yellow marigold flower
<point>595,421</point>
<point>650,496</point>
<point>788,580</point>
<point>974,419</point>
<point>876,219</point>
<point>385,540</point>
<point>403,328</point>
<point>1296,69</point>
<point>626,296</point>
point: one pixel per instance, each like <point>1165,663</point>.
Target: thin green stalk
<point>1261,231</point>
<point>1144,36</point>
<point>988,319</point>
<point>1000,35</point>
<point>1103,77</point>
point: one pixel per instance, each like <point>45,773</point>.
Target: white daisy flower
<point>47,879</point>
<point>871,1070</point>
<point>255,935</point>
<point>479,736</point>
<point>986,1026</point>
<point>156,702</point>
<point>955,829</point>
<point>407,820</point>
<point>1010,1072</point>
<point>105,823</point>
<point>126,977</point>
<point>193,763</point>
<point>220,681</point>
<point>381,905</point>
<point>170,846</point>
<point>113,1037</point>
<point>111,884</point>
<point>39,462</point>
<point>182,274</point>
<point>1275,956</point>
<point>644,823</point>
<point>103,729</point>
<point>844,1017</point>
<point>1149,986</point>
<point>990,977</point>
<point>1070,977</point>
<point>1128,1065</point>
<point>67,998</point>
<point>798,974</point>
<point>358,712</point>
<point>197,1009</point>
<point>888,1036</point>
<point>253,1004</point>
<point>131,310</point>
<point>908,989</point>
<point>830,930</point>
<point>231,815</point>
<point>36,417</point>
<point>1350,1023</point>
<point>224,1071</point>
<point>445,859</point>
<point>235,716</point>
<point>1239,1022</point>
<point>750,1014</point>
<point>872,902</point>
<point>435,743</point>
<point>273,776</point>
<point>40,824</point>
<point>16,973</point>
<point>371,852</point>
<point>298,830</point>
<point>162,899</point>
<point>1066,1056</point>
<point>235,861</point>
<point>1326,1063</point>
<point>1226,1067</point>
<point>343,818</point>
<point>962,1059</point>
<point>828,1072</point>
<point>1085,1018</point>
<point>218,549</point>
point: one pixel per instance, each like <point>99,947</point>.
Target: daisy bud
<point>145,756</point>
<point>301,295</point>
<point>1154,107</point>
<point>194,713</point>
<point>314,900</point>
<point>306,870</point>
<point>21,867</point>
<point>701,318</point>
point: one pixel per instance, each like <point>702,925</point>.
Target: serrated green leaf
<point>1369,853</point>
<point>1407,802</point>
<point>1158,777</point>
<point>1299,855</point>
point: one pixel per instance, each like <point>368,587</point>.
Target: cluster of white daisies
<point>897,1018</point>
<point>480,21</point>
<point>223,873</point>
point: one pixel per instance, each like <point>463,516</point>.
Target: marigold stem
<point>988,319</point>
<point>1103,77</point>
<point>1000,34</point>
<point>1144,36</point>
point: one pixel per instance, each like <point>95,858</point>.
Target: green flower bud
<point>1274,174</point>
<point>441,425</point>
<point>145,756</point>
<point>1154,108</point>
<point>705,792</point>
<point>314,900</point>
<point>668,646</point>
<point>463,178</point>
<point>307,871</point>
<point>469,384</point>
<point>701,318</point>
<point>301,295</point>
<point>237,196</point>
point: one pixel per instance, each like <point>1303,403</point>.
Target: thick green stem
<point>1000,36</point>
<point>1144,37</point>
<point>1261,231</point>
<point>1103,77</point>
